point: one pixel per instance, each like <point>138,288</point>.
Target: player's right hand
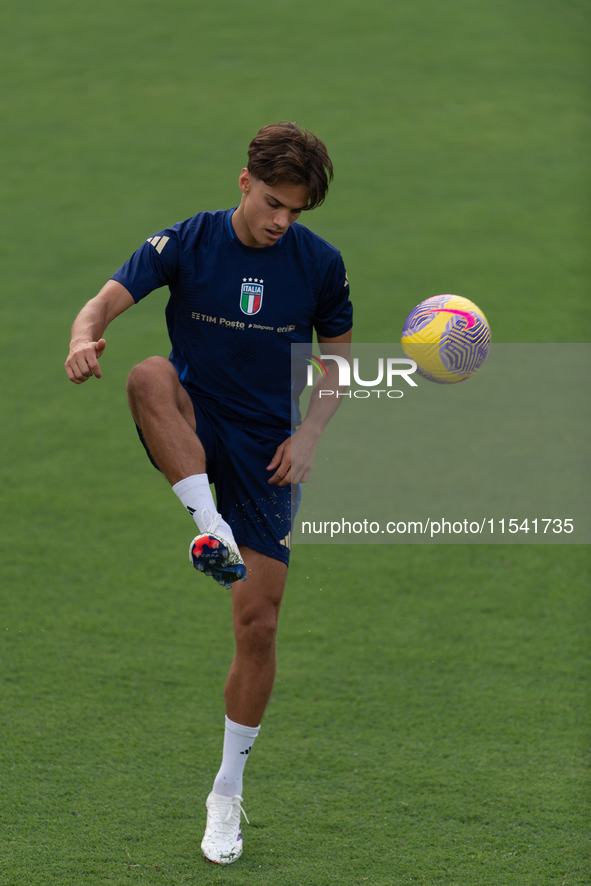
<point>83,360</point>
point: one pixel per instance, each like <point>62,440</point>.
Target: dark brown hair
<point>282,152</point>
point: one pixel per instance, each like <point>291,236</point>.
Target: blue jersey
<point>235,310</point>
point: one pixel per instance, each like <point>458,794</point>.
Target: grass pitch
<point>429,721</point>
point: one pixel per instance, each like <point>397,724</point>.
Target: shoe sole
<point>208,553</point>
<point>207,562</point>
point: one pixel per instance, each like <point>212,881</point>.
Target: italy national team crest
<point>251,295</point>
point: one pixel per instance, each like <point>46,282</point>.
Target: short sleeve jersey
<point>234,310</point>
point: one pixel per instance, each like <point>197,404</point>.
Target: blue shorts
<point>236,462</point>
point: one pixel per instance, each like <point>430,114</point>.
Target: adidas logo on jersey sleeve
<point>158,242</point>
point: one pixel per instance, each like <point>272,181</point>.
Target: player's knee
<point>256,636</point>
<point>146,378</point>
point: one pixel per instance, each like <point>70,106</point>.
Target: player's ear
<point>245,181</point>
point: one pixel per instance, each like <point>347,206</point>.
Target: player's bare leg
<point>163,410</point>
<point>255,610</point>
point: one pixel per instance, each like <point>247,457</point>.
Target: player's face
<point>266,211</point>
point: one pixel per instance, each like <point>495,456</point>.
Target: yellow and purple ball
<point>448,337</point>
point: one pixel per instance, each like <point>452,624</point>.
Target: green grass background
<point>430,718</point>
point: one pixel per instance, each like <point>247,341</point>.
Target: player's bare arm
<point>294,458</point>
<point>87,344</point>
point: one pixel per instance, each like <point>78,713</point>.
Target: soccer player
<point>245,283</point>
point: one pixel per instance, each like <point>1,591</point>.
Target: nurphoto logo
<point>387,369</point>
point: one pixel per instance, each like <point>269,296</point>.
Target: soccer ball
<point>448,337</point>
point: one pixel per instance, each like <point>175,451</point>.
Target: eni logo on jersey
<point>251,295</point>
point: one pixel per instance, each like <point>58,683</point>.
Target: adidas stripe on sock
<point>195,494</point>
<point>238,742</point>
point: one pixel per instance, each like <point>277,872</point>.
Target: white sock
<point>238,742</point>
<point>195,494</point>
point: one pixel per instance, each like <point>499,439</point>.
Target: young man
<point>244,284</point>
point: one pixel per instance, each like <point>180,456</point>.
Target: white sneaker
<point>222,843</point>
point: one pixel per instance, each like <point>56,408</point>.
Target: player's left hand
<point>293,459</point>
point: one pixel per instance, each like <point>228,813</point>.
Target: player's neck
<point>242,230</point>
